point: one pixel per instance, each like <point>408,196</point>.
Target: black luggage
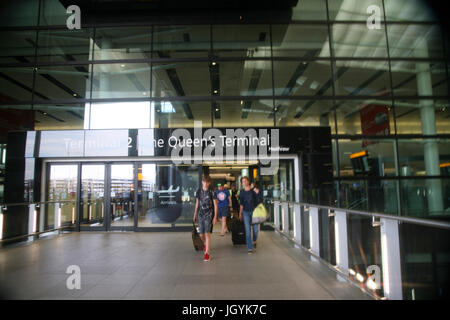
<point>196,240</point>
<point>230,218</point>
<point>229,222</point>
<point>238,232</point>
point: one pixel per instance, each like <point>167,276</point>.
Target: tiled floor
<point>165,266</point>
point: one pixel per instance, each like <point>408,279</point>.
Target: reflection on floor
<point>123,221</point>
<point>152,219</point>
<point>155,265</point>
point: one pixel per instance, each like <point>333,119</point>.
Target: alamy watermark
<point>74,20</point>
<point>235,145</point>
<point>74,280</point>
<point>374,19</point>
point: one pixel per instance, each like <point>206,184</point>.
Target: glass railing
<point>421,198</point>
<point>387,256</point>
<point>40,218</point>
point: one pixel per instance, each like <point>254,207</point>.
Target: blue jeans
<point>248,226</point>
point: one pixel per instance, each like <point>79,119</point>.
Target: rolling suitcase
<point>229,220</point>
<point>196,240</point>
<point>238,232</point>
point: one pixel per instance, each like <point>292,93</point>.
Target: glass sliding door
<point>107,195</point>
<point>166,194</point>
<point>121,209</point>
<point>61,194</point>
<point>92,195</point>
<point>280,185</point>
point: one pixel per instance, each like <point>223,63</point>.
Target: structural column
<point>428,122</point>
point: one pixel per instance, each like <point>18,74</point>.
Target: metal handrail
<point>4,206</point>
<point>34,234</point>
<point>419,221</point>
<point>38,202</point>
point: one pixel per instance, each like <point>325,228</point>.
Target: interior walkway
<point>126,265</point>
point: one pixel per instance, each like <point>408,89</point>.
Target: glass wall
<point>314,67</point>
<point>92,195</point>
<point>61,196</point>
<point>166,194</point>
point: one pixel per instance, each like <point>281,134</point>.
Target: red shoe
<point>206,257</point>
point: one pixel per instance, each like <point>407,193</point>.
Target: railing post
<point>341,242</point>
<point>276,214</point>
<point>31,218</point>
<point>285,217</point>
<point>390,258</point>
<point>314,230</point>
<point>57,216</point>
<point>297,224</point>
<point>1,222</point>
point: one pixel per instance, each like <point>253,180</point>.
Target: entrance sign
<point>183,145</point>
<point>227,146</point>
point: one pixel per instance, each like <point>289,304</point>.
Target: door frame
<point>80,209</point>
<point>135,161</point>
<point>107,162</point>
<point>107,199</point>
<point>44,195</point>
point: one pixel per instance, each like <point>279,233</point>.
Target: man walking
<point>206,207</point>
<point>248,199</point>
<point>224,204</point>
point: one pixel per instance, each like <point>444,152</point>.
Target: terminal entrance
<point>144,196</point>
<point>281,185</point>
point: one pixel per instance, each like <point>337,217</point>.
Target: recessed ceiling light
<point>215,91</point>
<point>45,113</point>
<point>314,85</point>
<point>214,63</point>
<point>144,93</point>
<point>74,94</point>
<point>217,109</point>
<point>122,65</point>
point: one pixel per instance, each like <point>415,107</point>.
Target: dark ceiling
<point>182,11</point>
